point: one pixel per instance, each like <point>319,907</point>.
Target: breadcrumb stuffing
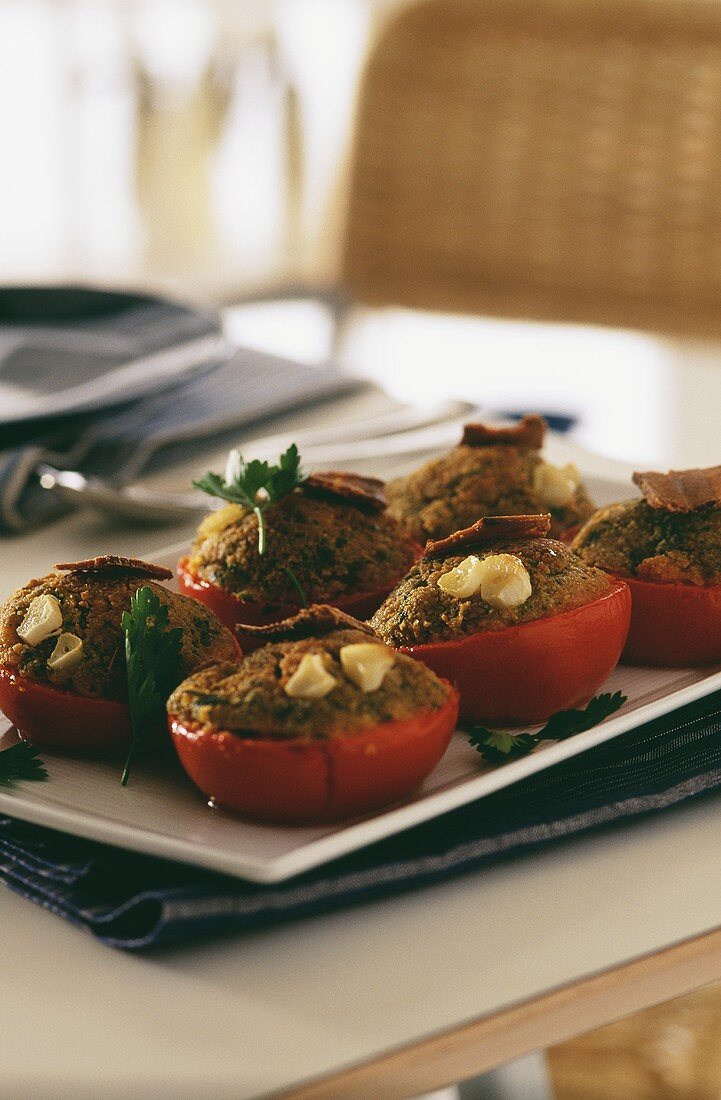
<point>249,698</point>
<point>453,491</point>
<point>418,611</point>
<point>334,549</point>
<point>633,539</point>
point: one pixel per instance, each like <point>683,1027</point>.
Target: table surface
<point>415,991</point>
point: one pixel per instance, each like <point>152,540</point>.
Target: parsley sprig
<point>152,657</point>
<point>20,761</point>
<point>255,484</point>
<point>500,746</point>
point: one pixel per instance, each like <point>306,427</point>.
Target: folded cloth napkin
<point>136,902</point>
<point>68,349</point>
<point>107,382</point>
<point>120,443</point>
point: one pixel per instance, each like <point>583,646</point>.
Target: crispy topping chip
<point>310,622</point>
<point>364,492</point>
<point>112,563</point>
<point>681,490</point>
<point>488,530</point>
<point>529,433</point>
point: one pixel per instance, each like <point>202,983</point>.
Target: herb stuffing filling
<point>451,492</point>
<point>633,539</point>
<point>250,698</point>
<point>92,607</point>
<point>418,611</point>
<point>332,548</point>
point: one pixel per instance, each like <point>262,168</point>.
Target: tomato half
<point>673,625</point>
<point>233,611</point>
<point>63,721</point>
<point>524,674</point>
<point>313,781</point>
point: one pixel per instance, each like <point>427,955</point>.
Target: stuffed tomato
<point>63,680</point>
<point>328,540</point>
<point>320,723</point>
<point>514,619</point>
<point>667,547</point>
<point>494,471</point>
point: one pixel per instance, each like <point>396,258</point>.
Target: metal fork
<point>420,431</point>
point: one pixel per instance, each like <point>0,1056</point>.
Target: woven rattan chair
<point>553,159</point>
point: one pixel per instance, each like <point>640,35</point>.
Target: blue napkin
<point>135,902</point>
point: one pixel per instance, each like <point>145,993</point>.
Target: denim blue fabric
<point>135,902</point>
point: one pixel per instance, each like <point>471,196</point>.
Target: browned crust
<point>310,622</point>
<point>112,563</point>
<point>681,490</point>
<point>490,529</point>
<point>529,433</point>
<point>365,492</point>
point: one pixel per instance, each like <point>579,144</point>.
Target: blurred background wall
<point>199,140</point>
<point>202,146</point>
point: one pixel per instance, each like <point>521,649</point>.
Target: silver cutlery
<point>405,432</point>
<point>130,502</point>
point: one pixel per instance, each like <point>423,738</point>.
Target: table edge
<point>482,1044</point>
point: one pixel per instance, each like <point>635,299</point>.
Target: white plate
<point>162,814</point>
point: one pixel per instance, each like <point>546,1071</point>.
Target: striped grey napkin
<point>135,381</point>
<point>69,350</point>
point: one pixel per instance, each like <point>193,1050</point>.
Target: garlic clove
<point>67,654</point>
<point>311,679</point>
<point>218,521</point>
<point>42,618</point>
<point>505,582</point>
<point>573,473</point>
<point>366,664</point>
<point>555,485</point>
<point>464,580</point>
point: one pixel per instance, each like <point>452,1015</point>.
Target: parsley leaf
<point>208,699</point>
<point>255,484</point>
<point>20,761</point>
<point>567,722</point>
<point>499,746</point>
<point>284,477</point>
<point>152,657</point>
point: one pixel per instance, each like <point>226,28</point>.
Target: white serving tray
<point>161,813</point>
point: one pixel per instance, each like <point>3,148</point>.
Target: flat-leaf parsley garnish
<point>20,761</point>
<point>255,484</point>
<point>152,657</point>
<point>499,746</point>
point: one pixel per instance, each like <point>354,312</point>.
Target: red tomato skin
<point>673,625</point>
<point>296,782</point>
<point>233,612</point>
<point>569,534</point>
<point>63,721</point>
<point>523,674</point>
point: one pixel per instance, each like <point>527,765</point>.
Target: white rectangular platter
<point>160,812</point>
